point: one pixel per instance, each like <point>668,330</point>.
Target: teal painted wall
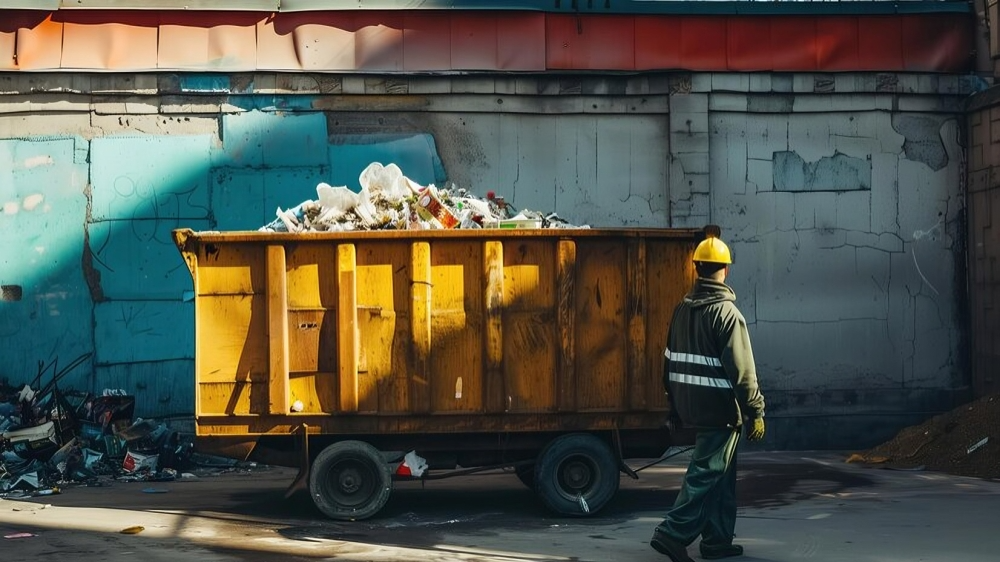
<point>43,209</point>
<point>87,260</point>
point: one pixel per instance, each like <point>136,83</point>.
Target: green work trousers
<point>706,505</point>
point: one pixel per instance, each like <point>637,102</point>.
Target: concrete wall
<point>841,197</point>
<point>984,239</point>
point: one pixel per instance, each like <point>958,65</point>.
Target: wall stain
<point>830,173</point>
<point>923,139</point>
<point>90,273</point>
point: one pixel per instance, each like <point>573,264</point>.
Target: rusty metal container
<point>446,340</point>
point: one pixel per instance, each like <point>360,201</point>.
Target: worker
<point>711,384</point>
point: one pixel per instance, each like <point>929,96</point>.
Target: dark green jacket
<point>709,372</point>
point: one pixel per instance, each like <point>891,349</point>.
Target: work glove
<point>756,431</point>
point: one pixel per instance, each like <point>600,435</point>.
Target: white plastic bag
<point>416,464</point>
<point>339,199</point>
<point>387,181</point>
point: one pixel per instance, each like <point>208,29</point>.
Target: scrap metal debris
<point>51,439</point>
<point>388,200</point>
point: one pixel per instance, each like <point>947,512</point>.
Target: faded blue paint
<point>151,177</point>
<point>258,140</point>
<point>271,103</point>
<point>43,208</point>
<point>416,155</point>
<point>242,93</point>
<point>138,331</point>
<point>204,83</point>
<point>161,388</point>
<point>830,173</point>
<point>138,259</point>
<point>252,197</point>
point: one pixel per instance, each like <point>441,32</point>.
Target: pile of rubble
<point>50,439</point>
<point>964,441</point>
<point>388,200</point>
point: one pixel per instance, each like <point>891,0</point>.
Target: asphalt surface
<point>793,507</point>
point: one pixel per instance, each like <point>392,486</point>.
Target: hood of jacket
<point>707,291</point>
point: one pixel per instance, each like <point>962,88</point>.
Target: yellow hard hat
<point>712,250</point>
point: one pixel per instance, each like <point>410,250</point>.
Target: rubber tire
<point>349,481</point>
<point>581,457</point>
<point>526,474</point>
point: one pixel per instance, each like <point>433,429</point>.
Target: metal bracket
<point>616,439</point>
<point>301,482</point>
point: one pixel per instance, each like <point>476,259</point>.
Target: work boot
<point>662,543</point>
<point>720,551</point>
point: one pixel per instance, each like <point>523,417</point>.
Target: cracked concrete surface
<point>852,275</point>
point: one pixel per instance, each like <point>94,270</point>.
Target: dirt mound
<point>964,442</point>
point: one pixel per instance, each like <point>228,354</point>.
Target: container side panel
<point>669,275</point>
<point>383,324</point>
<point>530,340</point>
<point>312,276</point>
<point>312,340</point>
<point>395,388</point>
<point>316,390</point>
<point>456,326</point>
<point>600,324</point>
<point>238,398</point>
<point>231,269</point>
<point>236,327</point>
<point>376,327</point>
<point>529,275</point>
<point>312,326</point>
<point>231,324</point>
<point>530,358</point>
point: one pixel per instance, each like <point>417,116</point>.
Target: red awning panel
<point>915,42</point>
<point>794,44</point>
<point>227,41</point>
<point>30,41</point>
<point>837,46</point>
<point>123,41</point>
<point>431,41</point>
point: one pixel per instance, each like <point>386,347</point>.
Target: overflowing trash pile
<point>51,439</point>
<point>388,200</point>
<point>964,441</point>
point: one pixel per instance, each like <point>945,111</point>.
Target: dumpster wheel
<point>350,480</point>
<point>576,475</point>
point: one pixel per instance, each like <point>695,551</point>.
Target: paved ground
<point>794,507</point>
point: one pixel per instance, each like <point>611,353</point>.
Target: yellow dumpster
<point>539,351</point>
